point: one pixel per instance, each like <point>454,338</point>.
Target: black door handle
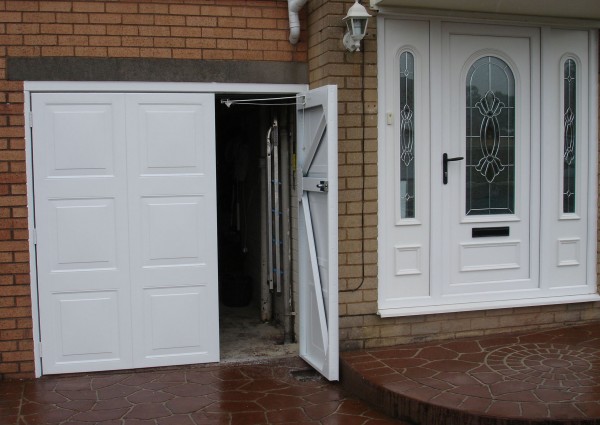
<point>445,161</point>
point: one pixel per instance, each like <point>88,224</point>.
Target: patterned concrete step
<point>547,377</point>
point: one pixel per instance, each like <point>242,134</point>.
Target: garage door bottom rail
<point>544,377</point>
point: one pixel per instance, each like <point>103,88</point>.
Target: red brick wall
<point>16,342</point>
<point>180,29</point>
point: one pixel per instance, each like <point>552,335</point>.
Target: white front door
<point>125,216</point>
<point>488,209</point>
<point>487,138</point>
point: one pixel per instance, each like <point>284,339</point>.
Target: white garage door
<point>125,216</point>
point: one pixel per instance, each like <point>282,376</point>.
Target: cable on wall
<point>363,189</point>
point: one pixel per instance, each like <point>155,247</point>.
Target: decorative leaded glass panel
<point>569,139</point>
<point>407,135</point>
<point>490,138</point>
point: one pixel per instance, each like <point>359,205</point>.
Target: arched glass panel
<point>407,135</point>
<point>490,138</point>
<point>569,139</point>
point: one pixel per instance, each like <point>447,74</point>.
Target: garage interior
<point>255,210</point>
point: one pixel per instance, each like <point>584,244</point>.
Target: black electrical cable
<point>363,189</point>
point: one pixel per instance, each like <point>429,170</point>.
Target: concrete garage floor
<point>245,338</point>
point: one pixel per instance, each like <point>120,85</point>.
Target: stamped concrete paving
<point>277,392</point>
<point>547,377</point>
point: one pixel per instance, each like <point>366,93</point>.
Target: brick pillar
<point>355,74</point>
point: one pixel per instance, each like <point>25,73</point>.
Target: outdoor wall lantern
<point>356,25</point>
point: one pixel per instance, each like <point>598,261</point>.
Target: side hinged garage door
<point>125,217</point>
<point>318,230</point>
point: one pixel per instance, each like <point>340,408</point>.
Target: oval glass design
<point>490,138</point>
<point>407,135</point>
<point>569,135</point>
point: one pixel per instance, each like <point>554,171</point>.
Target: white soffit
<point>572,9</point>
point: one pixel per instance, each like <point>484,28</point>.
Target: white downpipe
<point>294,7</point>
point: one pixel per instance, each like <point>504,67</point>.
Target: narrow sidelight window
<point>569,135</point>
<point>407,135</point>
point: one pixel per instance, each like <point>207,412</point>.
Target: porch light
<point>356,26</point>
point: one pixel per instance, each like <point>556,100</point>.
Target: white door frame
<point>125,87</point>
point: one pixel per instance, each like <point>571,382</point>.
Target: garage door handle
<point>445,161</point>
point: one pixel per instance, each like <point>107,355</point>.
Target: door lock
<point>323,186</point>
<point>445,161</point>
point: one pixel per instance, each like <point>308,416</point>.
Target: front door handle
<point>445,161</point>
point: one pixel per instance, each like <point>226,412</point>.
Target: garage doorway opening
<point>256,210</point>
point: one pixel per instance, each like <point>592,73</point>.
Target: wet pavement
<point>545,377</point>
<point>283,391</point>
<point>538,378</point>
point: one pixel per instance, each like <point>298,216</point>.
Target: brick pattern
<point>16,344</point>
<point>330,63</point>
<point>180,29</point>
<point>360,326</point>
<point>255,30</point>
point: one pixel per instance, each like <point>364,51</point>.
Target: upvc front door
<point>488,216</point>
<point>484,166</point>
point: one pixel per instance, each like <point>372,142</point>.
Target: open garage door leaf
<point>318,230</point>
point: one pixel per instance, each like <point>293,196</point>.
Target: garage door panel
<point>80,191</point>
<point>175,326</point>
<point>172,193</point>
<point>85,232</point>
<point>174,231</point>
<point>125,211</point>
<point>169,136</point>
<point>94,343</point>
<point>97,336</point>
<point>81,139</point>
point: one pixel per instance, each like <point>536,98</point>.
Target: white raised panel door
<point>80,184</point>
<point>172,201</point>
<point>317,231</point>
<point>488,121</point>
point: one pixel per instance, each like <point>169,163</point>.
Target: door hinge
<point>41,348</point>
<point>30,119</point>
<point>34,236</point>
